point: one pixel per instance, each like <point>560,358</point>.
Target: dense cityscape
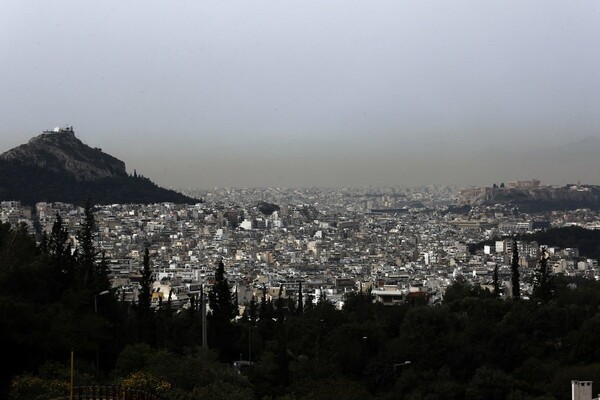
<point>396,242</point>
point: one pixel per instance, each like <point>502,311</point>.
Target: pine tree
<point>516,290</point>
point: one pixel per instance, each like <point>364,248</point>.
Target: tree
<point>86,253</point>
<point>252,311</point>
<point>300,309</point>
<point>514,266</point>
<point>542,280</point>
<point>102,279</point>
<point>58,238</point>
<point>220,297</point>
<point>60,253</point>
<point>309,305</point>
<point>502,185</point>
<point>496,282</point>
<point>282,358</point>
<point>90,275</point>
<point>220,329</point>
<point>144,297</point>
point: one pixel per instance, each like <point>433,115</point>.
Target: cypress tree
<point>263,304</point>
<point>220,297</point>
<point>223,311</point>
<point>282,357</point>
<point>252,311</point>
<point>516,290</point>
<point>300,309</point>
<point>102,279</point>
<point>496,282</point>
<point>86,254</point>
<point>145,330</point>
<point>144,297</point>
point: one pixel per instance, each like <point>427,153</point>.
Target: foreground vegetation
<point>473,346</point>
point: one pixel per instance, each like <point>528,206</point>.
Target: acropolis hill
<point>531,196</point>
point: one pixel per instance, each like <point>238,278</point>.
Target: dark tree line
<point>586,240</point>
<point>16,182</point>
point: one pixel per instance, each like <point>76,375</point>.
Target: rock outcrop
<point>535,199</point>
<point>60,151</point>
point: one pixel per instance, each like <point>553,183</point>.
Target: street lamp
<point>98,345</point>
<point>401,365</point>
<point>96,299</point>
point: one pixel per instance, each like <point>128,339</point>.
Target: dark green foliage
<point>220,297</point>
<point>514,272</point>
<point>496,282</point>
<point>224,309</point>
<point>461,289</point>
<point>61,259</point>
<point>586,240</point>
<point>542,279</point>
<point>145,293</point>
<point>267,208</point>
<point>300,309</point>
<point>145,314</point>
<point>31,185</point>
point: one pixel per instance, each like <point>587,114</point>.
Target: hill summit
<point>57,166</point>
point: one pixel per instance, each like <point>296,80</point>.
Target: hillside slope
<point>57,166</point>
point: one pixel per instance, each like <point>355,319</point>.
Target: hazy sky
<point>311,93</point>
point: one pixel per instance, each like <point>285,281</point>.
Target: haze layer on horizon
<point>312,93</point>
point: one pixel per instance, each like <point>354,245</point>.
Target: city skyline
<point>310,94</point>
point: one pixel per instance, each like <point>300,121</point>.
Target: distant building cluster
<point>530,184</point>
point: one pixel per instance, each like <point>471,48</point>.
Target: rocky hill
<point>57,166</point>
<point>540,198</point>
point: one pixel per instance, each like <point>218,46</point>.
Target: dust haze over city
<point>337,93</point>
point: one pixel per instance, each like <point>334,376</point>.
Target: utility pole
<point>72,373</point>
